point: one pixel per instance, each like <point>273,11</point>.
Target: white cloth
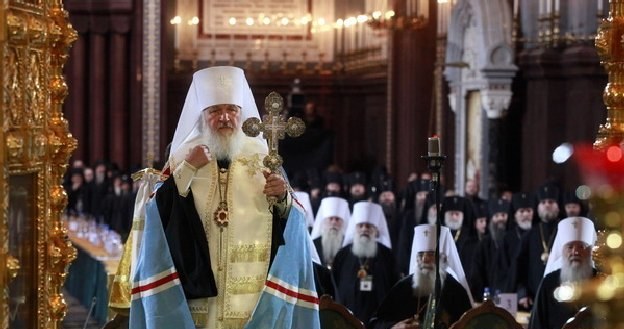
<point>372,213</point>
<point>568,230</point>
<point>304,200</point>
<point>331,206</point>
<point>212,86</point>
<point>425,240</point>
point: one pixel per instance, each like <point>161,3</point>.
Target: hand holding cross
<point>273,128</point>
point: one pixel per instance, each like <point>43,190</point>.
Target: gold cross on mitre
<point>273,128</point>
<point>426,233</point>
<point>575,224</point>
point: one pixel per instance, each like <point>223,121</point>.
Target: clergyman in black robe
<point>406,303</point>
<point>569,262</point>
<point>364,270</point>
<point>403,303</point>
<point>488,267</point>
<point>536,245</point>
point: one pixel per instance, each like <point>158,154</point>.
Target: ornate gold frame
<point>35,36</point>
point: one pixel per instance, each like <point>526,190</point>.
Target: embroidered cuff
<point>283,205</point>
<point>183,176</point>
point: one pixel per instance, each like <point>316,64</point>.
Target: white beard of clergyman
<point>222,146</point>
<point>575,272</point>
<point>453,225</point>
<point>331,240</point>
<point>432,216</point>
<point>524,225</point>
<point>423,280</point>
<point>364,246</point>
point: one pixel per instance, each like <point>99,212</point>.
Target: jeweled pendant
<point>221,216</point>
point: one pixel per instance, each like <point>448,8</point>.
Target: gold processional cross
<point>273,128</point>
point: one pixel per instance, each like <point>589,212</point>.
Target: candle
<point>433,146</point>
<point>556,6</point>
<point>515,8</point>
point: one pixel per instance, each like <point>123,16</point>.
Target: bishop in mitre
<point>221,232</point>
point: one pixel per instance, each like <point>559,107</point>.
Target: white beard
<point>364,246</point>
<point>331,240</point>
<point>453,225</point>
<point>524,225</point>
<point>575,272</point>
<point>222,146</point>
<point>423,282</point>
<point>432,219</point>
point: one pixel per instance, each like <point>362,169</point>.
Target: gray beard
<point>546,216</point>
<point>99,178</point>
<point>423,284</point>
<point>220,146</point>
<point>576,272</point>
<point>364,247</point>
<point>331,241</point>
<point>496,232</point>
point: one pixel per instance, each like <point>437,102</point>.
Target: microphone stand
<point>435,161</point>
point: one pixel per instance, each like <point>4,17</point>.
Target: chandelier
<point>407,15</point>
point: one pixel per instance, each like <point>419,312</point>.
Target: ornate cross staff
<point>273,128</point>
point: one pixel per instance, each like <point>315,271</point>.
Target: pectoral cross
<point>273,128</point>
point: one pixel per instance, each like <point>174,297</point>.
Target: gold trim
<point>247,253</point>
<point>245,285</point>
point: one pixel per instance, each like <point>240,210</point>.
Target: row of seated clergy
<point>486,315</point>
<point>569,261</point>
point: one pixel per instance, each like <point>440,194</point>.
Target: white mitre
<point>331,206</point>
<point>211,86</point>
<point>372,213</point>
<point>568,230</point>
<point>425,240</point>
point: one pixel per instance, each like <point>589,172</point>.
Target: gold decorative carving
<point>12,265</point>
<point>611,52</point>
<point>35,39</point>
<point>14,145</point>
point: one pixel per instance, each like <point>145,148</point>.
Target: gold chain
<point>221,215</point>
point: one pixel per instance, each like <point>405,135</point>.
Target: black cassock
<point>401,304</point>
<point>318,244</point>
<point>187,240</point>
<point>345,270</point>
<point>547,312</point>
<point>405,240</point>
<point>529,266</point>
<point>511,247</point>
<point>488,268</point>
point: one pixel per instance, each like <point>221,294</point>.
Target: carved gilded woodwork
<point>35,37</point>
<point>610,49</point>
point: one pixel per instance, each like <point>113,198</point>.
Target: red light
<point>614,153</point>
